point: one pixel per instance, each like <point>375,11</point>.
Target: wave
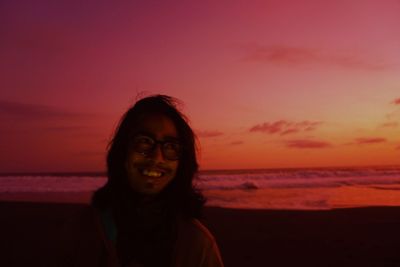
<point>225,180</point>
<point>300,173</point>
<point>298,178</point>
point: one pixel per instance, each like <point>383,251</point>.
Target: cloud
<point>302,143</point>
<point>270,128</point>
<point>283,127</point>
<point>293,55</point>
<point>369,140</point>
<point>208,134</point>
<point>237,143</point>
<point>290,131</point>
<point>395,114</point>
<point>389,125</point>
<point>35,111</point>
<point>396,101</point>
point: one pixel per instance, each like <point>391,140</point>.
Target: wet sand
<point>341,237</point>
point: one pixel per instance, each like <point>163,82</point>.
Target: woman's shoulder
<point>196,245</point>
<point>196,229</point>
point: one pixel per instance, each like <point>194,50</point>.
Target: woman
<point>146,214</point>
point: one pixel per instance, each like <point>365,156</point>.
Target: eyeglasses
<point>145,145</point>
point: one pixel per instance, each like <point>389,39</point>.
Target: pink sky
<point>266,84</point>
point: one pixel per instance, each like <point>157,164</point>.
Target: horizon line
<point>104,173</point>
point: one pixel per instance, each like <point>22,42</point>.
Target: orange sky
<point>266,84</point>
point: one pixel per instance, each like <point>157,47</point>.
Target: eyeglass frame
<point>155,143</point>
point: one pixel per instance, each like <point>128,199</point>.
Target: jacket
<point>87,241</point>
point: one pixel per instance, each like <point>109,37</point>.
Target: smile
<point>152,173</point>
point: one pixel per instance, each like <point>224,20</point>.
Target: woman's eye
<point>172,146</point>
<point>143,142</point>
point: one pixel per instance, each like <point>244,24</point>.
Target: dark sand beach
<point>342,237</point>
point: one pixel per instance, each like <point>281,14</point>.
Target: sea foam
<point>271,189</point>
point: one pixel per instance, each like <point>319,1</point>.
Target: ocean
<point>304,189</point>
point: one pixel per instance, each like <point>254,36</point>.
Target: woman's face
<point>150,163</point>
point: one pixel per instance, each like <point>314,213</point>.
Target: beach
<point>365,236</point>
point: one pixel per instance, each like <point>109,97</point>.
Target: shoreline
<point>343,198</point>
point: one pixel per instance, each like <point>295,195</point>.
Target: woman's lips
<point>152,173</point>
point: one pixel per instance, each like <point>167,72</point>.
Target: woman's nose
<point>157,154</point>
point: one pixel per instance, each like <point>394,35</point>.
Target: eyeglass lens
<point>146,145</point>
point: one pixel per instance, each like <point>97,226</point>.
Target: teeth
<point>152,173</point>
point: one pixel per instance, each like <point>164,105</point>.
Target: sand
<point>342,237</point>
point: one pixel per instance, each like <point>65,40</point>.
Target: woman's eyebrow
<point>143,132</point>
<point>152,135</point>
<point>171,138</point>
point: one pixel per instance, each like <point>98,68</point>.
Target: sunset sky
<point>266,84</point>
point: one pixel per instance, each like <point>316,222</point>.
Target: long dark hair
<point>180,194</point>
